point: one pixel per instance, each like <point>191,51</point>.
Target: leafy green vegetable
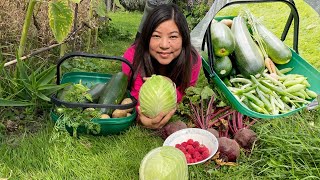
<point>164,163</point>
<point>195,95</point>
<point>157,94</point>
<point>76,117</point>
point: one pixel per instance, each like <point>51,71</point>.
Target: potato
<point>118,113</point>
<point>127,101</point>
<point>227,22</point>
<point>104,116</point>
<point>89,109</point>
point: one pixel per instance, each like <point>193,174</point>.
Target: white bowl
<point>202,136</point>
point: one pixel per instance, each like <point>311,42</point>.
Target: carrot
<point>270,66</point>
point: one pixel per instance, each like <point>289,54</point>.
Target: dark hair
<point>179,70</point>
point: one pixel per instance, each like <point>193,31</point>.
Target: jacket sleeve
<point>128,55</point>
<point>137,82</point>
<point>194,78</point>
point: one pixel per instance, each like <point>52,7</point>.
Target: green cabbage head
<point>157,94</point>
<point>164,163</point>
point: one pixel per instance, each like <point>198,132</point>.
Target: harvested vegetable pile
<point>255,80</point>
<point>269,95</point>
<point>85,109</point>
<point>75,117</point>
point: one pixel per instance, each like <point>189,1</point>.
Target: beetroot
<point>245,138</point>
<point>172,127</point>
<point>229,149</point>
<point>214,132</point>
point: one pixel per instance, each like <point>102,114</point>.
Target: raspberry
<point>190,141</point>
<point>188,156</point>
<point>202,148</point>
<point>184,144</point>
<point>190,149</point>
<point>183,149</point>
<point>192,160</point>
<point>205,154</point>
<point>189,160</point>
<point>196,144</point>
<point>199,158</point>
<point>205,151</point>
<point>196,154</point>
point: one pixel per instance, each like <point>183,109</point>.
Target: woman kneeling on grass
<point>163,48</point>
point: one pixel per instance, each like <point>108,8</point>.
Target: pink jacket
<point>137,83</point>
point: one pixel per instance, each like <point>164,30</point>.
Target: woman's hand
<point>156,123</point>
<point>145,78</point>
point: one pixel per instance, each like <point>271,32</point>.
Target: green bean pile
<point>272,93</point>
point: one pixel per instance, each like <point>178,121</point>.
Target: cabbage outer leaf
<point>157,94</point>
<point>164,163</point>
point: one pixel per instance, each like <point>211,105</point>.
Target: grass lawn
<point>288,148</point>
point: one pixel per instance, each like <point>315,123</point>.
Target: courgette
<point>275,48</point>
<point>222,39</point>
<point>96,90</point>
<point>114,91</point>
<point>249,59</point>
<point>222,66</point>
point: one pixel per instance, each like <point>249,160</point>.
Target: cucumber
<point>96,90</point>
<point>222,66</point>
<point>277,51</point>
<point>222,39</point>
<point>249,59</point>
<point>114,91</point>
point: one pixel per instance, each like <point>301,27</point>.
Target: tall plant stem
<point>63,49</point>
<point>90,24</point>
<point>26,26</point>
<point>75,20</point>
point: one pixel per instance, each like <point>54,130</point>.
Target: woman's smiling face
<point>166,42</point>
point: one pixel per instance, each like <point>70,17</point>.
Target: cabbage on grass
<point>163,163</point>
<point>157,94</point>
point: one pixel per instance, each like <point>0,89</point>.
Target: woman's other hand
<point>156,123</point>
<point>145,78</point>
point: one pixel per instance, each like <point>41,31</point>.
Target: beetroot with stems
<point>229,149</point>
<point>240,128</point>
<point>214,132</point>
<point>172,127</point>
<point>245,138</point>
